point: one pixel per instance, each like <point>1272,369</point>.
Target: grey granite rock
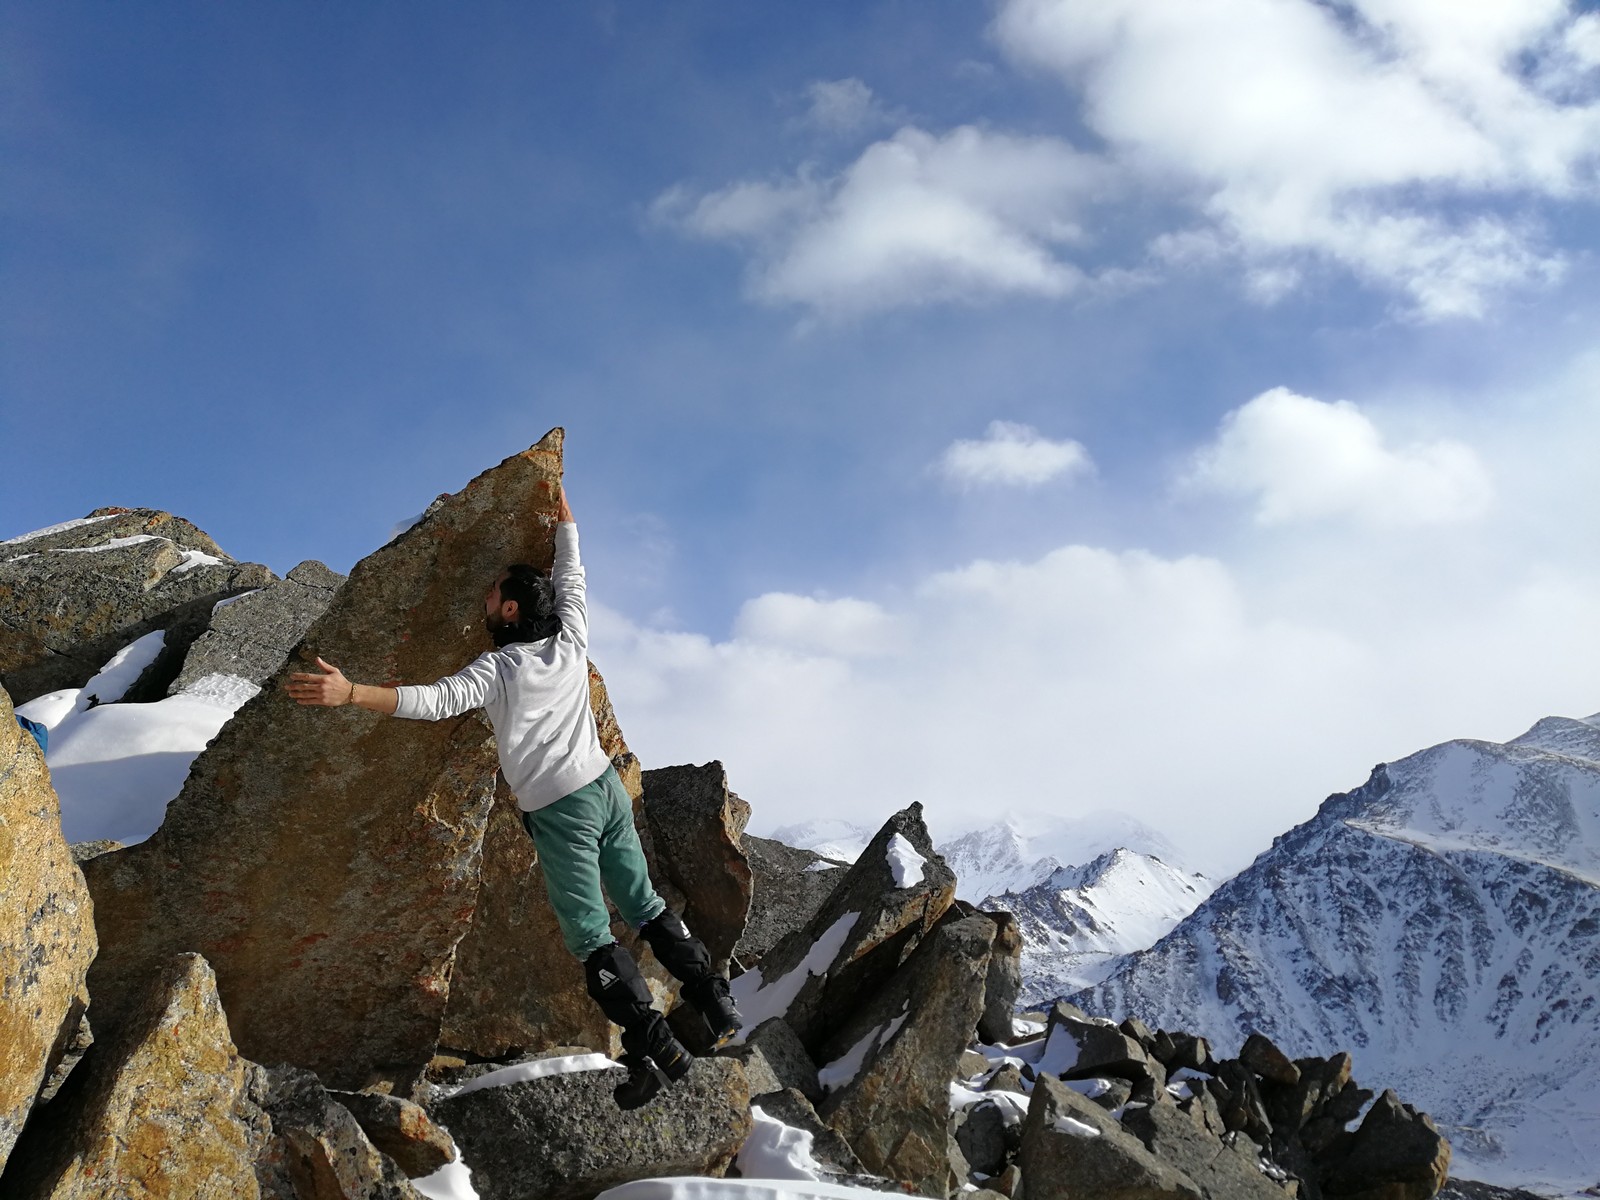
<point>562,1137</point>
<point>251,635</point>
<point>788,886</point>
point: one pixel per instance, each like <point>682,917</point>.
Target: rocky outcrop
<point>787,888</point>
<point>73,596</point>
<point>1004,983</point>
<point>1072,1150</point>
<point>870,923</point>
<point>47,935</point>
<point>1395,1154</point>
<point>400,1129</point>
<point>161,1107</point>
<point>561,1137</point>
<point>325,861</point>
<point>317,1150</point>
<point>697,826</point>
<point>250,636</point>
<point>889,1066</point>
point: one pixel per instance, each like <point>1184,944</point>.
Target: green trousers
<point>585,840</point>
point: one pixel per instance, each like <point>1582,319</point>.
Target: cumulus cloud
<point>1011,455</point>
<point>843,106</point>
<point>917,218</point>
<point>1301,459</point>
<point>843,627</point>
<point>1376,134</point>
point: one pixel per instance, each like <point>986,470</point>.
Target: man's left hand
<point>329,690</point>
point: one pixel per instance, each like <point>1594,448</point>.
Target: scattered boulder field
<point>331,972</point>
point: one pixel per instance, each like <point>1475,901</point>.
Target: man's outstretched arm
<point>332,690</point>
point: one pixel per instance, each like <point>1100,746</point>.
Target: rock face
<point>47,935</point>
<point>515,987</point>
<point>562,1137</point>
<point>1396,1154</point>
<point>1005,979</point>
<point>1072,1150</point>
<point>160,1108</point>
<point>251,636</point>
<point>72,596</point>
<point>866,928</point>
<point>317,1149</point>
<point>788,886</point>
<point>698,828</point>
<point>325,860</point>
<point>891,1064</point>
<point>400,1129</point>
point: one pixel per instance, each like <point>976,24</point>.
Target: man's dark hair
<point>536,606</point>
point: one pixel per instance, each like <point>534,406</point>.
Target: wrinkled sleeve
<point>469,688</point>
<point>567,575</point>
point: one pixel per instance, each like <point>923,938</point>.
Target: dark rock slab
<point>325,861</point>
<point>1087,1048</point>
<point>788,886</point>
<point>1178,1139</point>
<point>1397,1154</point>
<point>880,922</point>
<point>775,1060</point>
<point>697,826</point>
<point>1266,1060</point>
<point>318,1150</point>
<point>1073,1150</point>
<point>47,933</point>
<point>1005,979</point>
<point>562,1137</point>
<point>981,1134</point>
<point>400,1129</point>
<point>903,1047</point>
<point>251,636</point>
<point>70,600</point>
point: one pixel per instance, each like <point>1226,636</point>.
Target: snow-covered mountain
<point>1085,890</point>
<point>1441,922</point>
<point>1079,921</point>
<point>1019,852</point>
<point>831,837</point>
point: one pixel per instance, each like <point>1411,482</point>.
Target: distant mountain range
<point>1441,922</point>
<point>1085,890</point>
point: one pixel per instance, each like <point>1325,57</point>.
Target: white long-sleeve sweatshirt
<point>536,695</point>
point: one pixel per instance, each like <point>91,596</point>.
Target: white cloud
<point>844,627</point>
<point>918,218</point>
<point>1376,134</point>
<point>1011,455</point>
<point>1302,459</point>
<point>843,106</point>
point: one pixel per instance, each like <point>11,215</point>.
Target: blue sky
<point>1286,313</point>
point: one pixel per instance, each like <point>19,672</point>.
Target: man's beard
<point>501,631</point>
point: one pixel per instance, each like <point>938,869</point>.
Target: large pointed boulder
<point>873,919</point>
<point>698,829</point>
<point>326,861</point>
<point>74,594</point>
<point>161,1107</point>
<point>888,1068</point>
<point>47,936</point>
<point>788,885</point>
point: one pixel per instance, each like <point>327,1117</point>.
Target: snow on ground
<point>538,1068</point>
<point>760,1001</point>
<point>61,528</point>
<point>905,862</point>
<point>114,679</point>
<point>453,1181</point>
<point>777,1151</point>
<point>690,1187</point>
<point>116,766</point>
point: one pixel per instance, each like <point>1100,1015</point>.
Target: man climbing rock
<point>535,688</point>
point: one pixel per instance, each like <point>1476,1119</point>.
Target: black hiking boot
<point>654,1059</point>
<point>711,998</point>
